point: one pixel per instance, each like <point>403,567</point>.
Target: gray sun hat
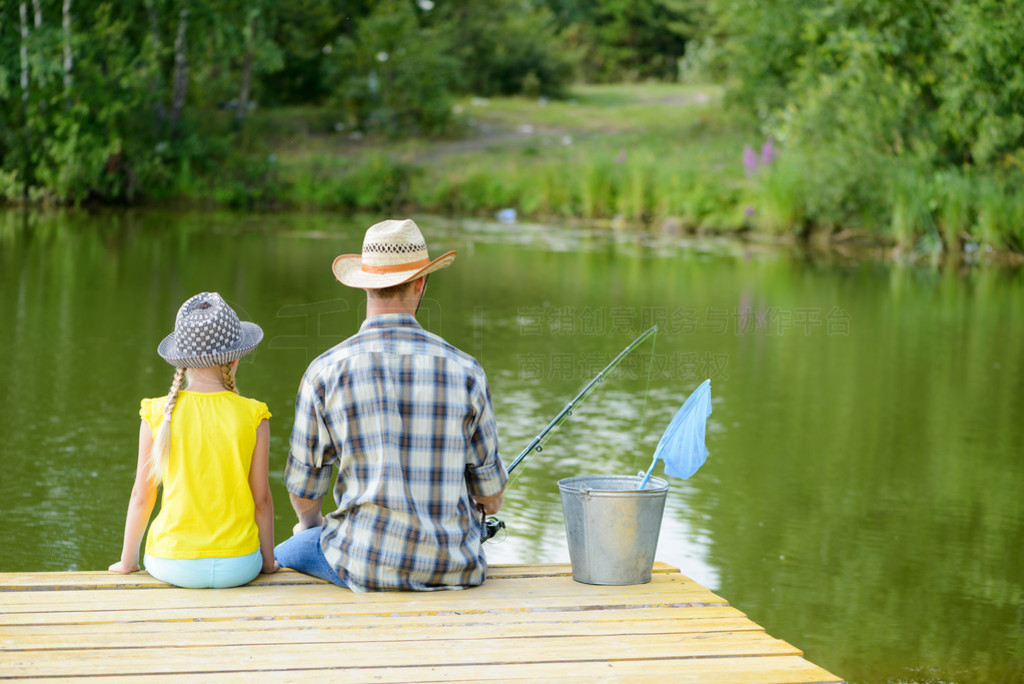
<point>207,332</point>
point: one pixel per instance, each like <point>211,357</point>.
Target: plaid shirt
<point>406,418</point>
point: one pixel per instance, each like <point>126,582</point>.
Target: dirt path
<point>489,135</point>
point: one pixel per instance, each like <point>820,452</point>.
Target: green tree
<point>304,29</point>
<point>73,134</point>
<point>235,45</point>
<point>941,80</point>
<point>981,86</point>
<point>97,93</point>
<point>504,47</point>
<point>869,90</point>
<point>393,75</point>
<point>626,40</point>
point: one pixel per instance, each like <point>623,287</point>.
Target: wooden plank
<point>558,595</point>
<point>369,653</point>
<point>530,587</point>
<point>758,670</point>
<point>19,636</point>
<point>522,589</point>
<point>232,612</point>
<point>52,581</point>
<point>555,570</point>
<point>309,631</point>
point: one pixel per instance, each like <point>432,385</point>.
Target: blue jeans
<point>206,573</point>
<point>303,554</point>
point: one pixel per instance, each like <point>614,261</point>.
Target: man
<point>406,419</point>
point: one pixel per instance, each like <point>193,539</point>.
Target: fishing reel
<point>491,527</point>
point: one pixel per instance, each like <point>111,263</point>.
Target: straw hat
<point>207,332</point>
<point>394,252</point>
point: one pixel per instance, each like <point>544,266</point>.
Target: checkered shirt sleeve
<point>485,475</point>
<point>311,451</point>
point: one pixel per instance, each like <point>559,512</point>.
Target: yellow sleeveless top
<point>206,508</point>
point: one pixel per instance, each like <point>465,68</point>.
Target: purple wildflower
<point>749,160</point>
<point>768,152</point>
<point>750,211</point>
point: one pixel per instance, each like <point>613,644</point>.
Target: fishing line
<point>643,407</point>
<point>492,525</point>
<point>537,445</point>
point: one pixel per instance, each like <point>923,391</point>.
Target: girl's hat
<point>394,252</point>
<point>207,332</point>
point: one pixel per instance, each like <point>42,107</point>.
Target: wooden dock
<point>527,622</point>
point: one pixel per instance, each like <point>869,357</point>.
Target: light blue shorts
<point>206,573</point>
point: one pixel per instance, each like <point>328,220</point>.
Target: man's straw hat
<point>394,252</point>
<point>207,332</point>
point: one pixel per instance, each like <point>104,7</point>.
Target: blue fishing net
<point>682,446</point>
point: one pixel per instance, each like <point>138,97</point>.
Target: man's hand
<point>491,504</point>
<point>308,511</point>
<point>310,522</point>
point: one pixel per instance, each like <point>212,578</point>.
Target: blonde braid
<point>227,371</point>
<point>162,441</point>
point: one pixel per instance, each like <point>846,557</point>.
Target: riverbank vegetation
<point>885,121</point>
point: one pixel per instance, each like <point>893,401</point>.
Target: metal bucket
<point>612,527</point>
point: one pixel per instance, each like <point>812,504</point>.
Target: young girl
<point>209,447</point>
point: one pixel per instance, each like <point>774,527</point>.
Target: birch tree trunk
<point>180,85</point>
<point>23,10</point>
<point>243,91</point>
<point>155,84</point>
<point>27,171</point>
<point>38,20</point>
<point>68,57</point>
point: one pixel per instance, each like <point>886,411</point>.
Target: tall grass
<point>557,195</point>
<point>1000,210</point>
<point>779,204</point>
<point>633,197</point>
<point>594,185</point>
<point>376,182</point>
<point>635,189</point>
<point>911,216</point>
<point>954,194</point>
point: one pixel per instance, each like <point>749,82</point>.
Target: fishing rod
<point>492,524</point>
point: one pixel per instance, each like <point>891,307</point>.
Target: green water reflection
<point>863,495</point>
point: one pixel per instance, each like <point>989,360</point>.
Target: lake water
<point>864,496</point>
